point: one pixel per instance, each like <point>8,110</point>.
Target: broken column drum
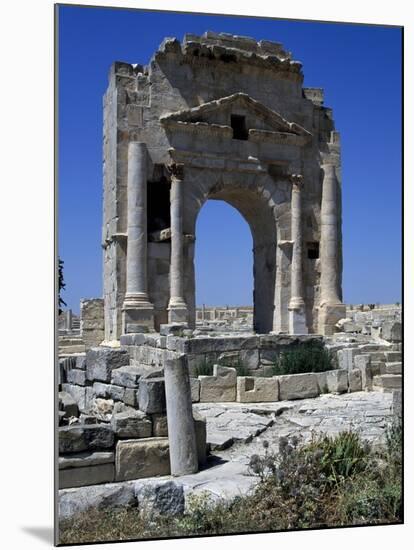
<point>193,126</point>
<point>181,428</point>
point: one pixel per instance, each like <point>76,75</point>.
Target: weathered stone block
<point>102,408</point>
<point>151,395</point>
<point>387,382</point>
<point>80,460</point>
<point>108,391</point>
<point>88,475</point>
<point>220,387</point>
<point>68,405</point>
<point>256,390</point>
<point>76,376</point>
<point>220,344</point>
<point>131,425</point>
<point>81,394</point>
<point>165,498</point>
<point>337,381</point>
<point>110,495</point>
<point>127,376</point>
<point>160,427</point>
<point>346,357</point>
<point>81,362</point>
<point>322,382</point>
<point>297,386</point>
<point>363,363</point>
<point>249,358</point>
<point>79,437</point>
<point>130,397</point>
<point>172,329</point>
<point>355,380</point>
<point>136,459</point>
<point>392,331</point>
<point>100,362</point>
<point>195,390</point>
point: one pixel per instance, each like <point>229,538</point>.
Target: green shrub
<point>341,456</point>
<point>242,370</point>
<point>312,357</point>
<point>205,369</point>
<point>330,481</point>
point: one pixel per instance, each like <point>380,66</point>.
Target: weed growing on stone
<point>312,357</point>
<point>330,481</point>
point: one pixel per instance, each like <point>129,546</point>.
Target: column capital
<point>176,170</point>
<point>297,181</point>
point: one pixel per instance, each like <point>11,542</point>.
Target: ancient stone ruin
<point>214,117</point>
<point>220,117</point>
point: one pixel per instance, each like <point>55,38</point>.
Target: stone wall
<point>112,420</point>
<point>257,353</point>
<point>92,324</point>
<point>112,401</point>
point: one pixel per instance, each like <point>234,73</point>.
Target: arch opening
<point>259,243</point>
<point>223,257</point>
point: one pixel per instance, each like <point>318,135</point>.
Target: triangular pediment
<point>219,112</point>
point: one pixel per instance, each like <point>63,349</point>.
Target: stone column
<point>177,308</point>
<point>68,320</point>
<point>138,312</point>
<point>297,313</point>
<point>331,308</point>
<point>181,427</point>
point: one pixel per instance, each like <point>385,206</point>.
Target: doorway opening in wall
<point>223,258</point>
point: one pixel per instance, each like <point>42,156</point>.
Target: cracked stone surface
<point>244,426</point>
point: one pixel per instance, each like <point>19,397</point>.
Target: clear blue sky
<point>358,66</point>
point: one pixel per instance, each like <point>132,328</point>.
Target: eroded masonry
<point>227,118</point>
<point>151,387</point>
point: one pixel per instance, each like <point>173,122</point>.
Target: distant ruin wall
<point>92,324</point>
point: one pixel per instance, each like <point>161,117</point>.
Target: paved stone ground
<point>232,427</point>
<point>236,431</point>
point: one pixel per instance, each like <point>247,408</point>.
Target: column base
<point>177,312</point>
<point>297,321</point>
<point>328,316</point>
<point>137,316</point>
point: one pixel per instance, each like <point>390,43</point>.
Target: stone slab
<point>79,460</point>
<point>221,387</point>
<point>86,475</point>
<point>127,376</point>
<point>337,380</point>
<point>101,361</point>
<point>80,437</point>
<point>136,459</point>
<point>131,424</point>
<point>297,386</point>
<point>257,390</point>
<point>151,395</point>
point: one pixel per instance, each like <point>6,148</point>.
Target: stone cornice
<point>230,50</point>
<point>272,118</point>
<point>283,138</point>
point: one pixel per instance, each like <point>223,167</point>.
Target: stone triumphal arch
<point>219,117</point>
